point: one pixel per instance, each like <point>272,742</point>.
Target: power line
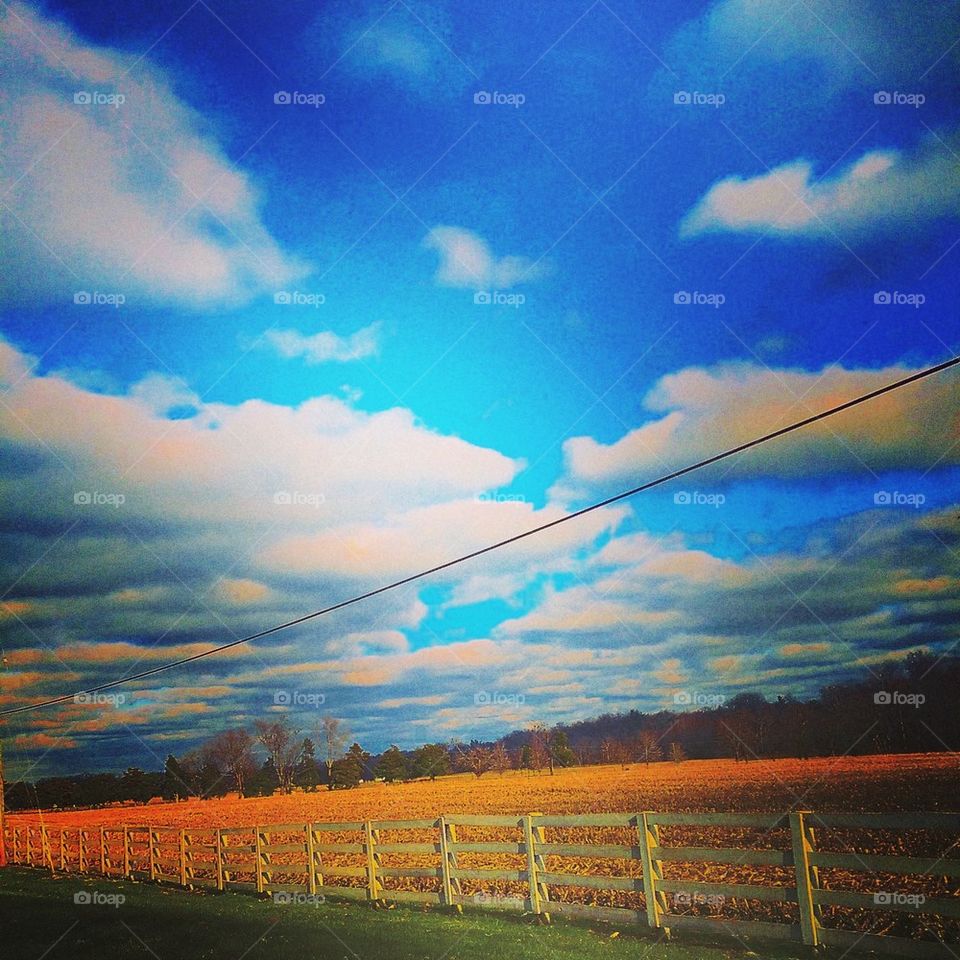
<point>716,458</point>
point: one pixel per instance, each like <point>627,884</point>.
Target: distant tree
<point>232,752</point>
<point>677,754</point>
<point>647,747</point>
<point>431,760</point>
<point>525,757</point>
<point>540,755</point>
<point>392,765</point>
<point>333,736</point>
<point>349,770</point>
<point>174,780</point>
<point>306,774</point>
<point>135,785</point>
<point>560,750</point>
<point>265,782</point>
<point>475,759</point>
<point>500,758</point>
<point>278,738</point>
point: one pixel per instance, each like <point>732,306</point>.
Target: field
<point>865,784</point>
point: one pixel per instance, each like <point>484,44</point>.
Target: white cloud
<point>467,261</point>
<point>325,346</point>
<point>881,188</point>
<point>129,198</point>
<point>701,411</point>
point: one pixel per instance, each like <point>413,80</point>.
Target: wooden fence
<point>295,860</point>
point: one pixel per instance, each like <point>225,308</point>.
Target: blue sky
<point>301,301</point>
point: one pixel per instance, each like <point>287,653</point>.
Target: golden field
<point>919,782</point>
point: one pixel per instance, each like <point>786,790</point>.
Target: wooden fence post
<point>373,861</point>
<point>448,861</point>
<point>258,852</point>
<point>649,837</point>
<point>63,850</point>
<point>311,865</point>
<point>183,858</point>
<point>220,845</point>
<point>82,843</point>
<point>103,851</point>
<point>126,851</point>
<point>46,853</point>
<point>807,876</point>
<point>535,865</point>
<point>151,838</point>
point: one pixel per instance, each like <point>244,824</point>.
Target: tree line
<point>904,706</point>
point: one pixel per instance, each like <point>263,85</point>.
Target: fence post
<point>152,837</point>
<point>103,851</point>
<point>63,851</point>
<point>373,881</point>
<point>183,858</point>
<point>46,853</point>
<point>538,891</point>
<point>311,872</point>
<point>220,844</point>
<point>808,877</point>
<point>649,837</point>
<point>448,861</point>
<point>258,845</point>
<point>82,850</point>
<point>126,851</point>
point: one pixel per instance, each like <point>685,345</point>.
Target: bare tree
<point>647,747</point>
<point>476,758</point>
<point>500,758</point>
<point>333,735</point>
<point>232,752</point>
<point>540,747</point>
<point>280,741</point>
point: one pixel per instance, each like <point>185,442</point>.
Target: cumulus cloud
<point>467,261</point>
<point>132,196</point>
<point>325,346</point>
<point>883,188</point>
<point>701,411</point>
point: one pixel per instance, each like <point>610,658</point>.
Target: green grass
<point>39,918</point>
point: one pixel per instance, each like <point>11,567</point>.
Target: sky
<point>299,300</point>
